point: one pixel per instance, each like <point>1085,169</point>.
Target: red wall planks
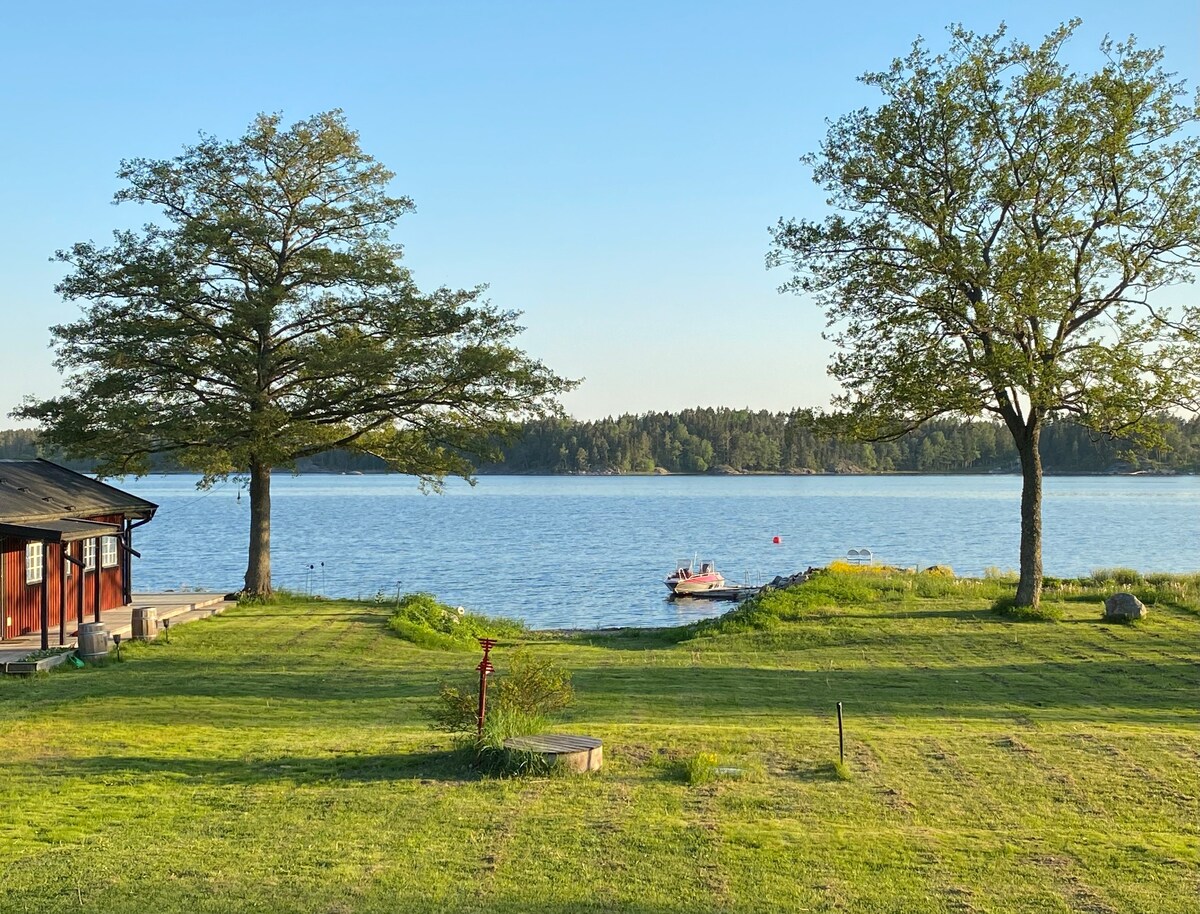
<point>21,603</point>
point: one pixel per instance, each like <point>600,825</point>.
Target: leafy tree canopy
<point>265,317</point>
<point>1000,227</point>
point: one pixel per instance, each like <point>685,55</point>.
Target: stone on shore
<point>1122,606</point>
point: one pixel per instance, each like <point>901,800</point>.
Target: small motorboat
<point>688,579</point>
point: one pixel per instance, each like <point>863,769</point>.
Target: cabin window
<point>66,563</point>
<point>108,552</point>
<point>33,562</point>
<point>89,555</point>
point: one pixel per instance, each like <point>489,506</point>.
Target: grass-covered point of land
<point>279,758</point>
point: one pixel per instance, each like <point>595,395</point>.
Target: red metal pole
<point>482,700</point>
<point>485,667</point>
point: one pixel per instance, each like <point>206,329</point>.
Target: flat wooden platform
<point>577,753</point>
<point>178,607</point>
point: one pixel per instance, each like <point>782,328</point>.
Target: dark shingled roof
<point>38,490</point>
<point>59,531</point>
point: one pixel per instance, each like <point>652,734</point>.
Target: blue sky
<point>610,169</point>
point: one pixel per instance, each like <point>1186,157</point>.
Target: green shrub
<point>421,619</point>
<point>456,708</point>
<point>700,768</point>
<point>533,685</point>
<point>1043,612</point>
<point>519,701</point>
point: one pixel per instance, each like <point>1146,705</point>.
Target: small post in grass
<point>485,667</point>
<point>841,737</point>
<point>167,629</point>
<point>117,642</point>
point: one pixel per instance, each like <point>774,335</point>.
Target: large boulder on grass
<point>1122,606</point>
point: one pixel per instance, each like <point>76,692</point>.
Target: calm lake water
<point>592,551</point>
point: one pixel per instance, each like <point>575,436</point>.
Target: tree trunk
<point>1029,588</point>
<point>258,569</point>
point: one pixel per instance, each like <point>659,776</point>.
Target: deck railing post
<point>96,572</point>
<point>61,565</point>
<point>79,588</point>
<point>45,607</point>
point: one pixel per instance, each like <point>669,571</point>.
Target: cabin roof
<point>59,531</point>
<point>35,491</point>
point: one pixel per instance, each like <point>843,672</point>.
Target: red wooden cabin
<point>66,541</point>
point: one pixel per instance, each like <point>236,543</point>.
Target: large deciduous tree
<point>1000,229</point>
<point>265,317</point>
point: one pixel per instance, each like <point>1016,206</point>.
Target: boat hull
<point>695,584</point>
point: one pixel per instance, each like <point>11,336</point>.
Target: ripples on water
<point>592,551</point>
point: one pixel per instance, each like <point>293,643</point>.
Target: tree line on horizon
<point>723,440</point>
<point>709,440</point>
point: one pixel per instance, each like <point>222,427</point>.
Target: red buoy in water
<point>777,540</point>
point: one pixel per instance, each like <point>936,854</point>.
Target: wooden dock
<point>733,592</point>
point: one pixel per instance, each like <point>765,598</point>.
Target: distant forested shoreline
<point>720,440</point>
<point>744,441</point>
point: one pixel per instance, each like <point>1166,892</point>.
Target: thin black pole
<point>841,737</point>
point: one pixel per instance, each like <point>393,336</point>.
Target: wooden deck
<point>178,607</point>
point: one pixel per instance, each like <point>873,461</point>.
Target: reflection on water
<point>593,551</point>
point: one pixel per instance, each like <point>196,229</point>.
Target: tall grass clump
<point>937,581</point>
<point>699,769</point>
<point>421,619</point>
<point>1180,590</point>
<point>1043,612</point>
<point>996,573</point>
<point>1126,577</point>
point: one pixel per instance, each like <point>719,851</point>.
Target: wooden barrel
<point>145,623</point>
<point>93,641</point>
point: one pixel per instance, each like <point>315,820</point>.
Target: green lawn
<point>278,759</point>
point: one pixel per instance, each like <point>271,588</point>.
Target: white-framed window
<point>34,556</point>
<point>89,555</point>
<point>66,551</point>
<point>108,552</point>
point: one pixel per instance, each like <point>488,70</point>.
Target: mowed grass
<point>278,759</point>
